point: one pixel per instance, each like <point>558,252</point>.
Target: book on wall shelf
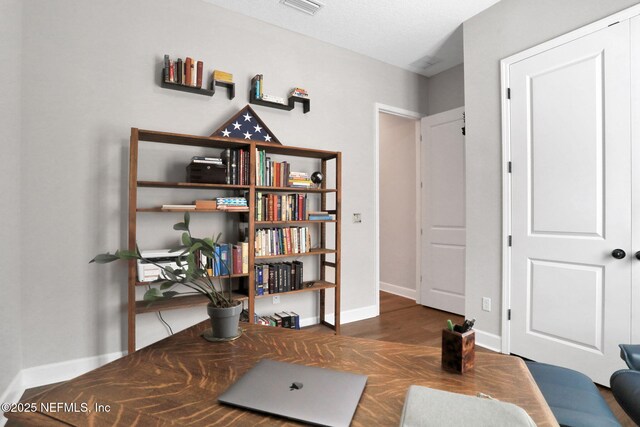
<point>279,250</point>
<point>188,75</point>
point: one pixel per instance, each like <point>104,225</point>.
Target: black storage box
<point>206,173</point>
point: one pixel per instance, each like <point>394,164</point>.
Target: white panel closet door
<point>443,212</point>
<point>635,150</point>
<point>571,203</point>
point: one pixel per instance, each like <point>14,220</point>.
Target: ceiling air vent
<point>307,6</point>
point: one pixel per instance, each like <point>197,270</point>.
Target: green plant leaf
<point>170,294</point>
<point>186,239</point>
<point>152,294</point>
<point>195,247</point>
<point>104,258</point>
<point>125,254</point>
<point>187,219</point>
<point>166,284</point>
<point>180,226</point>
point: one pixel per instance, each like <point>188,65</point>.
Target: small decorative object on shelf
<point>188,76</point>
<point>317,177</point>
<point>258,97</point>
<point>245,126</point>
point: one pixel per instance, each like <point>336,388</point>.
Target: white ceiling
<point>404,33</point>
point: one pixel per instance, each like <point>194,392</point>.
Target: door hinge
<point>509,314</point>
<point>420,137</point>
<point>510,240</point>
<point>421,278</point>
<point>508,93</point>
<point>509,167</point>
<point>421,231</point>
<point>464,131</point>
<point>420,185</point>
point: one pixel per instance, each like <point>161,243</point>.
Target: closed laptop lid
<point>304,393</point>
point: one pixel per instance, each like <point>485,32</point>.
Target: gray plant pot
<point>224,321</point>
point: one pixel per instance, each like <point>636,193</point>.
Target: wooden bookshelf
<point>247,281</point>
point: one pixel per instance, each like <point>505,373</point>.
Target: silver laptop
<point>303,393</point>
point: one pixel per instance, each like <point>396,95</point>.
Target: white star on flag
<point>236,125</point>
<point>247,135</point>
<point>247,117</point>
<point>257,128</point>
<point>267,138</point>
<point>225,133</point>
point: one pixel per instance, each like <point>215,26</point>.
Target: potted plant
<point>222,309</point>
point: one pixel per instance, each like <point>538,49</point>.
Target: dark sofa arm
<point>625,386</point>
<point>630,353</point>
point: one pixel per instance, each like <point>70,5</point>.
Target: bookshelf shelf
<point>270,223</point>
<point>188,210</point>
<point>185,88</point>
<point>317,285</point>
<point>246,283</point>
<point>306,103</point>
<point>233,276</point>
<point>231,87</point>
<point>311,253</point>
<point>294,190</point>
<point>176,303</point>
<point>192,185</point>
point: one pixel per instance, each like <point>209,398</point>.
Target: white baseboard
<point>489,341</point>
<point>354,315</point>
<point>52,373</point>
<point>398,290</point>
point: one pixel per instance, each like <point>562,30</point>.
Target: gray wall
<point>398,231</point>
<point>508,27</point>
<point>446,90</point>
<point>92,70</point>
<point>10,260</point>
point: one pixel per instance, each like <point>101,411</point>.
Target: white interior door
<point>443,211</point>
<point>571,203</point>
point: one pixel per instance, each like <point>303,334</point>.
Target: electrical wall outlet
<point>276,299</point>
<point>486,303</point>
<point>357,218</point>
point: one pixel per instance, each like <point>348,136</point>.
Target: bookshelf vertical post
<point>133,203</point>
<point>252,231</point>
<point>338,237</point>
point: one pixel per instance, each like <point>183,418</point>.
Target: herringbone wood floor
<point>402,320</point>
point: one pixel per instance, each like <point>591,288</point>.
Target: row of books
<point>270,173</point>
<point>278,207</point>
<point>190,72</point>
<point>282,241</point>
<point>257,91</point>
<point>229,259</point>
<point>284,319</point>
<point>278,277</point>
<point>237,162</point>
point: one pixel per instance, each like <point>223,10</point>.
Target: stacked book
<point>257,91</point>
<point>187,72</point>
<point>270,173</point>
<point>222,76</point>
<point>278,277</point>
<point>228,259</point>
<point>232,204</point>
<point>300,180</point>
<point>284,319</point>
<point>299,92</point>
<point>207,160</point>
<point>282,241</point>
<point>319,216</point>
<point>276,207</point>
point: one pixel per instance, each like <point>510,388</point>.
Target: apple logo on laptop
<point>295,386</point>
